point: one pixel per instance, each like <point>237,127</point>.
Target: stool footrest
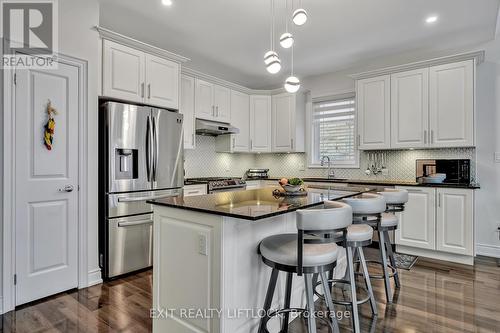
<point>376,276</point>
<point>291,310</point>
<point>346,303</point>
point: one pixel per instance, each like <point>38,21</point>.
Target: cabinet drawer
<point>192,190</point>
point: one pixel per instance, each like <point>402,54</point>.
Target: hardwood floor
<point>433,298</point>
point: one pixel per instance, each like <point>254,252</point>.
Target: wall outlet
<point>302,166</point>
<point>497,157</point>
<point>385,172</point>
<point>203,244</point>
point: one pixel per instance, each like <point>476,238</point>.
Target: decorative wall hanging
<point>50,126</point>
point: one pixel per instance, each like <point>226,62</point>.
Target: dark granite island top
<point>259,203</point>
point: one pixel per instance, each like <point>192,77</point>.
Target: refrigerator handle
<point>155,148</point>
<point>148,149</point>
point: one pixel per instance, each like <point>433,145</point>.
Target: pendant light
<point>271,59</point>
<point>292,83</point>
<point>299,16</point>
<point>286,39</point>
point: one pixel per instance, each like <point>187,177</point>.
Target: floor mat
<point>405,261</point>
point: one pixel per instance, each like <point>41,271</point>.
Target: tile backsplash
<point>205,162</point>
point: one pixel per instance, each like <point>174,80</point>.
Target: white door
<point>222,102</point>
<point>162,77</point>
<point>374,112</point>
<point>417,227</point>
<point>240,118</point>
<point>455,230</point>
<point>46,183</point>
<point>123,72</point>
<point>283,122</point>
<point>410,109</point>
<point>204,100</point>
<point>451,104</point>
<point>260,123</point>
<point>187,109</point>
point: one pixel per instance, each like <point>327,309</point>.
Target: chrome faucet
<point>331,173</point>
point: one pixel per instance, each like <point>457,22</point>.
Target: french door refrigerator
<point>140,158</point>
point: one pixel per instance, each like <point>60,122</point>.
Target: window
<point>333,133</point>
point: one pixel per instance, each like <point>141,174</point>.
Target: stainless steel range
<point>216,184</point>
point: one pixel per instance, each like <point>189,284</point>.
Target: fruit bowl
<point>291,188</point>
<point>291,185</point>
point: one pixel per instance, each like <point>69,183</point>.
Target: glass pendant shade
<point>286,40</point>
<point>292,84</point>
<point>273,62</point>
<point>299,16</point>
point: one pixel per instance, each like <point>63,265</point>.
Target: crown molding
<point>477,56</point>
<point>134,43</point>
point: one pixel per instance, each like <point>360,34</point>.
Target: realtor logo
<point>29,31</point>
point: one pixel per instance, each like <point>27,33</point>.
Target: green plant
<point>295,181</point>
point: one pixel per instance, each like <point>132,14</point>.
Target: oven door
<point>228,189</point>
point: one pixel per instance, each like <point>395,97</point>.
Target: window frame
<point>311,141</point>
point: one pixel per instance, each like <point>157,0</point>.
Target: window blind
<point>334,130</point>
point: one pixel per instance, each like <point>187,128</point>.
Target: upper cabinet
<point>212,102</point>
<point>288,118</point>
<point>410,109</point>
<point>452,105</point>
<point>187,109</point>
<point>240,118</point>
<point>260,123</point>
<point>136,76</point>
<point>431,107</point>
<point>374,112</point>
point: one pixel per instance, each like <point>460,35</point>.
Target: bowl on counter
<point>291,188</point>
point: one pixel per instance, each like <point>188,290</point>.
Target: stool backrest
<point>320,226</point>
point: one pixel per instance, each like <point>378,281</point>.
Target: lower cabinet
<point>440,220</point>
<point>191,190</point>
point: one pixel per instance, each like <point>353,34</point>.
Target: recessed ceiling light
<point>431,19</point>
<point>166,2</point>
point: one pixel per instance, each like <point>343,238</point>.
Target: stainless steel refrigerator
<point>140,158</point>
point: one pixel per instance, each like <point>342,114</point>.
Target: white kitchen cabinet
<point>136,76</point>
<point>192,190</point>
<point>455,230</point>
<point>260,123</point>
<point>288,119</point>
<point>123,72</point>
<point>417,224</point>
<point>253,184</point>
<point>212,102</point>
<point>451,103</point>
<point>240,118</point>
<point>162,77</point>
<point>410,109</point>
<point>187,109</point>
<point>374,112</point>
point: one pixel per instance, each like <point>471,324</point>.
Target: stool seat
<point>282,249</point>
<point>394,196</point>
<point>359,233</point>
<point>389,220</point>
<point>366,203</point>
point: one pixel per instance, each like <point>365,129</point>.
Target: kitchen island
<point>207,274</point>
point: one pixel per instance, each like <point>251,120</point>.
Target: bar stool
<point>395,202</point>
<point>312,250</point>
<point>358,236</point>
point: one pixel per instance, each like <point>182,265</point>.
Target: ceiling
<point>228,38</point>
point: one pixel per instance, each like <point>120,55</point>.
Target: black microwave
<point>457,170</point>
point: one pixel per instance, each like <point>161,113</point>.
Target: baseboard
<point>451,257</point>
<point>488,250</point>
<point>94,277</point>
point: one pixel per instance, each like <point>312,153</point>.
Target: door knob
<point>67,188</point>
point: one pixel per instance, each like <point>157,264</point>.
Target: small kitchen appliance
<point>257,174</point>
<point>447,171</point>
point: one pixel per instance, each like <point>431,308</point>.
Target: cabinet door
<point>260,123</point>
<point>192,190</point>
<point>417,223</point>
<point>123,72</point>
<point>204,100</point>
<point>283,122</point>
<point>455,228</point>
<point>187,109</point>
<point>374,112</point>
<point>410,109</point>
<point>222,103</point>
<point>451,103</point>
<point>162,82</point>
<point>240,118</point>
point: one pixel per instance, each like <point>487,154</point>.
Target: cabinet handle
<point>439,199</point>
<point>412,190</point>
<point>192,138</point>
<point>213,111</point>
<point>142,90</point>
<point>149,91</point>
<point>425,137</point>
<point>217,111</point>
<point>432,136</point>
<point>251,144</point>
<point>359,140</point>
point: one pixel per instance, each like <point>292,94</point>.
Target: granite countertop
<point>380,182</point>
<point>259,203</point>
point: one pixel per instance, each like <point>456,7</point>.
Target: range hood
<point>214,128</point>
